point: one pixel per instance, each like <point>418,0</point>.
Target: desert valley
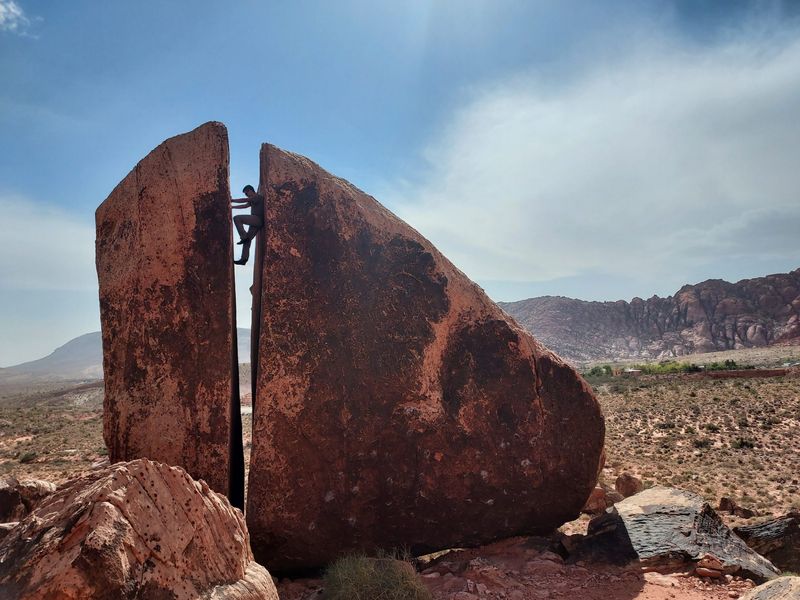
<point>727,435</point>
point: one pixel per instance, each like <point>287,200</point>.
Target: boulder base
<point>397,406</point>
<point>132,530</point>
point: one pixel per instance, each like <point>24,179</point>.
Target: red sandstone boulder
<point>164,264</point>
<point>628,485</point>
<point>397,406</point>
<point>133,530</point>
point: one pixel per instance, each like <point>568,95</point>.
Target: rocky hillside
<point>709,316</point>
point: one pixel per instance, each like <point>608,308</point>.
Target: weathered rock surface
<point>666,528</point>
<point>777,539</point>
<point>782,588</point>
<point>132,530</point>
<point>11,505</point>
<point>164,264</point>
<point>706,317</point>
<point>397,406</point>
<point>18,498</point>
<point>6,528</point>
<point>600,499</point>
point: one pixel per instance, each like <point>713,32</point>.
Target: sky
<point>593,150</point>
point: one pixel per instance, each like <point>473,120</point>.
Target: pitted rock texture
<point>397,406</point>
<point>706,317</point>
<point>164,263</point>
<point>133,530</point>
<point>667,528</point>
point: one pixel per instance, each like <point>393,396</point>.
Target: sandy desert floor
<point>735,438</point>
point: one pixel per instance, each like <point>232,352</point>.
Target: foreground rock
<point>777,539</point>
<point>133,530</point>
<point>397,406</point>
<point>666,528</point>
<point>783,588</point>
<point>164,264</point>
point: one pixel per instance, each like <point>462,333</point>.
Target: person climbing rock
<point>254,221</point>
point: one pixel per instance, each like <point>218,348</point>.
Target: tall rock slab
<point>397,406</point>
<point>164,264</point>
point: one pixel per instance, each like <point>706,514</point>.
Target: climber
<point>255,220</point>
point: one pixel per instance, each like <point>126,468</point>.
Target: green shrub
<point>359,577</point>
<point>743,444</point>
<point>600,371</point>
<point>27,457</point>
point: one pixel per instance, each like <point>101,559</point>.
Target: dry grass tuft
<point>359,577</point>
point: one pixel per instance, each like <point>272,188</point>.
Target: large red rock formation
<point>707,317</point>
<point>397,405</point>
<point>164,263</point>
<point>133,530</point>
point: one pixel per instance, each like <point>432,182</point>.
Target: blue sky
<point>595,150</point>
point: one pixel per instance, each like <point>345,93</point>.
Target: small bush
<point>600,371</point>
<point>27,457</point>
<point>711,427</point>
<point>743,444</point>
<point>701,443</point>
<point>359,577</point>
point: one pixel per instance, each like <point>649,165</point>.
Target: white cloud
<point>12,17</point>
<point>44,248</point>
<point>660,160</point>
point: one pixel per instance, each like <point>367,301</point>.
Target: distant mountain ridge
<point>82,358</point>
<point>706,317</point>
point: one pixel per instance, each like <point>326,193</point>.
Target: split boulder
<point>397,405</point>
<point>164,263</point>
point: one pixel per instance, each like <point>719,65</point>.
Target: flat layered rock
<point>133,530</point>
<point>164,264</point>
<point>783,588</point>
<point>668,528</point>
<point>397,406</point>
<point>776,539</point>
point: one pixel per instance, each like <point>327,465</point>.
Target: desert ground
<point>716,437</point>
